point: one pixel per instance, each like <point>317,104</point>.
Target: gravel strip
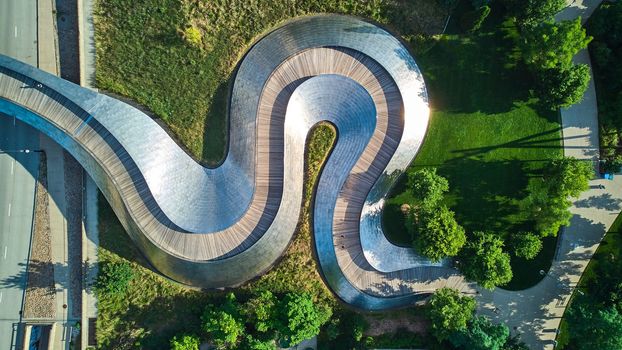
<point>40,293</point>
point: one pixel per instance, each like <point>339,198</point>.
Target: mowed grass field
<point>487,136</point>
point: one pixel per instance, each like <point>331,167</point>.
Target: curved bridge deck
<point>221,227</point>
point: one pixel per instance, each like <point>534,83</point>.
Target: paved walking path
<point>537,312</point>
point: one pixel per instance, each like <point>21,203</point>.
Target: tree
<point>481,334</point>
<point>298,318</point>
<point>568,176</point>
<point>590,328</point>
<point>534,12</point>
<point>250,343</point>
<point>547,202</point>
<point>553,44</point>
<point>437,234</point>
<point>260,311</point>
<point>114,278</point>
<point>223,324</point>
<point>484,261</point>
<point>427,186</point>
<point>449,312</point>
<point>527,245</point>
<point>185,342</point>
<point>563,86</point>
<point>471,21</point>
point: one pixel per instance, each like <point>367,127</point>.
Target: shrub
<point>223,324</point>
<point>185,342</point>
<point>299,318</point>
<point>193,36</point>
<point>481,334</point>
<point>114,278</point>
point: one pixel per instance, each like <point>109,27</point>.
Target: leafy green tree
<point>527,245</point>
<point>260,311</point>
<point>547,203</point>
<point>437,234</point>
<point>569,176</point>
<point>484,261</point>
<point>590,328</point>
<point>250,343</point>
<point>561,87</point>
<point>185,342</point>
<point>427,187</point>
<point>481,334</point>
<point>299,318</point>
<point>534,12</point>
<point>449,312</point>
<point>224,324</point>
<point>514,343</point>
<point>553,44</point>
<point>114,278</point>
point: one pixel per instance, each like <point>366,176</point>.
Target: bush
<point>527,245</point>
<point>481,334</point>
<point>472,20</point>
<point>223,324</point>
<point>299,318</point>
<point>185,342</point>
<point>193,36</point>
<point>114,278</point>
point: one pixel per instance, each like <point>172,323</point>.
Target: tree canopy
<point>299,318</point>
<point>553,44</point>
<point>526,245</point>
<point>590,328</point>
<point>449,312</point>
<point>484,261</point>
<point>223,324</point>
<point>260,311</point>
<point>569,176</point>
<point>427,186</point>
<point>533,12</point>
<point>481,334</point>
<point>563,86</point>
<point>437,233</point>
<point>185,342</point>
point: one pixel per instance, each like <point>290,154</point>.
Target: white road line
<point>6,248</point>
<point>9,209</point>
<point>0,297</point>
<point>16,31</point>
<point>12,166</point>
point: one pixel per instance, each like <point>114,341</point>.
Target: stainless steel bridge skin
<point>220,227</point>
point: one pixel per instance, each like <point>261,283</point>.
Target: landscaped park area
<point>493,153</point>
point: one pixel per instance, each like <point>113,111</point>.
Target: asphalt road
<point>18,39</point>
<point>18,172</point>
<point>18,30</point>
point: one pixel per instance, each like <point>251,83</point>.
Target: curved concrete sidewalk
<point>536,312</point>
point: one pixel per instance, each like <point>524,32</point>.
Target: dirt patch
<point>412,323</point>
<point>73,197</point>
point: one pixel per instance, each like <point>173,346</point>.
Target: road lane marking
<point>16,31</point>
<point>9,209</point>
<point>0,297</point>
<point>6,248</point>
<point>12,166</point>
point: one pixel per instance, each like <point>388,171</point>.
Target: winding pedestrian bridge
<point>220,227</point>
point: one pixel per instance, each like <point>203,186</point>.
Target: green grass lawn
<point>143,52</point>
<point>487,136</point>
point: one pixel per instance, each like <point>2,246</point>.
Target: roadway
<point>18,39</point>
